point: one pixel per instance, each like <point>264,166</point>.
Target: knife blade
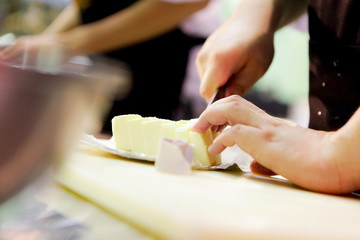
<point>220,93</point>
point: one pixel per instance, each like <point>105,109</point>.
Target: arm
<point>140,22</point>
<point>67,19</point>
<point>241,50</point>
<point>288,11</point>
<point>316,160</point>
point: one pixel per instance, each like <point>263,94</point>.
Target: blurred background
<point>27,17</point>
<point>281,92</point>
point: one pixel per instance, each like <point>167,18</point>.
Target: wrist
<point>74,41</point>
<point>263,21</point>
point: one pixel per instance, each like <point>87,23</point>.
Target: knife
<point>220,93</point>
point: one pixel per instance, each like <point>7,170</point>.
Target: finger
<point>259,169</point>
<point>236,102</point>
<point>4,52</point>
<point>201,60</point>
<point>247,138</point>
<point>209,82</point>
<point>214,116</point>
<point>218,128</point>
<point>203,125</point>
<point>10,53</point>
<point>215,75</point>
<point>230,111</point>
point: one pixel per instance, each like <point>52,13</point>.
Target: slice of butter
<point>151,133</point>
<point>201,142</point>
<point>182,131</point>
<point>136,135</point>
<point>120,131</point>
<point>167,129</point>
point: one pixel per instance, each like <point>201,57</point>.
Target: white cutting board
<point>209,204</point>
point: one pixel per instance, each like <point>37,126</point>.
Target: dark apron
<point>334,48</point>
<point>158,66</point>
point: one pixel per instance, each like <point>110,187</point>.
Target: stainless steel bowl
<point>43,109</point>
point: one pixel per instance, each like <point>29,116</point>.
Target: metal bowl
<point>43,109</point>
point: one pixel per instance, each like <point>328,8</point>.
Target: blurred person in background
<point>323,157</point>
<point>25,17</point>
<point>144,34</point>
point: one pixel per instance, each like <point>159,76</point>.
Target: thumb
<point>214,77</point>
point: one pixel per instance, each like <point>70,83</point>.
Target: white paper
<point>174,156</point>
<point>230,156</point>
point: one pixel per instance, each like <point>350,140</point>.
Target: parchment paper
<point>232,156</point>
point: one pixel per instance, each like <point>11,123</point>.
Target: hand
<point>31,47</point>
<point>239,52</point>
<point>312,159</point>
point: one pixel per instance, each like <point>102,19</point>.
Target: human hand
<point>309,158</point>
<point>239,53</point>
<point>31,48</point>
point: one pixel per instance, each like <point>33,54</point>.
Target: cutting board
<point>209,204</point>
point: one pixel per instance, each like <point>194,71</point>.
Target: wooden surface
<point>96,222</point>
<point>209,204</point>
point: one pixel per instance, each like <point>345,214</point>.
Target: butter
<point>201,142</point>
<point>167,129</point>
<point>144,135</point>
<point>182,131</point>
<point>151,133</point>
<point>120,131</point>
<point>136,136</point>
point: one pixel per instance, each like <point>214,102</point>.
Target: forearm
<point>332,165</point>
<point>67,19</point>
<point>140,22</point>
<point>268,15</point>
<point>347,151</point>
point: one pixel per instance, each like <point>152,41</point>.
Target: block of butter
<point>142,135</point>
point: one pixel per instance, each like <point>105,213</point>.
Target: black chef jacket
<point>334,27</point>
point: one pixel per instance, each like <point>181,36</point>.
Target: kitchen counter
<point>127,199</point>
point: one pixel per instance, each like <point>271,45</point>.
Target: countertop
<point>129,199</point>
